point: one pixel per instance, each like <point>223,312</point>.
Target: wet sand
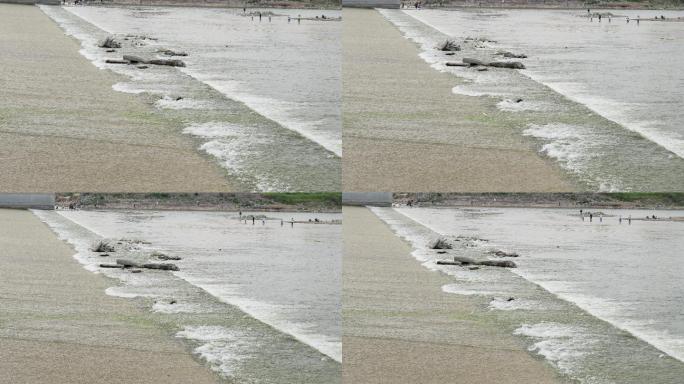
<point>58,326</point>
<point>399,327</point>
<point>63,128</point>
<point>404,129</point>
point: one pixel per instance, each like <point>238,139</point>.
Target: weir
<point>394,4</point>
<point>377,199</point>
<point>27,200</point>
<point>32,2</point>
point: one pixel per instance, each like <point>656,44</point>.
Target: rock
<point>178,99</point>
<point>507,64</point>
<point>447,262</point>
<point>465,260</point>
<point>169,52</point>
<point>482,69</point>
<point>474,62</point>
<point>162,256</point>
<point>449,45</point>
<point>103,246</point>
<point>128,263</point>
<point>111,266</point>
<point>518,100</point>
<point>116,61</point>
<point>142,67</point>
<point>169,62</point>
<point>162,266</point>
<point>110,50</point>
<point>455,64</point>
<point>104,255</point>
<point>512,55</point>
<point>474,268</point>
<point>510,299</point>
<point>506,254</point>
<point>134,59</point>
<point>136,270</point>
<point>110,42</point>
<point>441,252</point>
<point>439,243</point>
<point>498,263</point>
<point>450,53</point>
<point>173,301</point>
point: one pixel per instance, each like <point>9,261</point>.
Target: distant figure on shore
<point>244,10</point>
<point>259,15</point>
<point>263,222</point>
<point>620,219</point>
<point>292,222</point>
<point>281,222</point>
<point>253,220</point>
<point>240,213</point>
<point>591,217</point>
<point>599,17</point>
<point>629,220</point>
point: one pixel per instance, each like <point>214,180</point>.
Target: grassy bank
<point>303,4</point>
<point>645,200</point>
<point>321,201</point>
<point>598,4</point>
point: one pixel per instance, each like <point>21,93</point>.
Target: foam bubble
<point>221,347</point>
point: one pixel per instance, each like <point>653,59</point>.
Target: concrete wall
<point>32,2</point>
<point>27,200</point>
<point>378,199</point>
<point>371,3</point>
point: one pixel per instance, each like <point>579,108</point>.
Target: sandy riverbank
<point>400,327</point>
<point>393,106</point>
<point>58,326</point>
<point>63,128</point>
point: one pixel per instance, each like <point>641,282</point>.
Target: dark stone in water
<point>439,243</point>
<point>169,62</point>
<point>111,266</point>
<point>116,61</point>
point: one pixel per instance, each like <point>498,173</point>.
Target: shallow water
<point>268,92</point>
<point>627,275</point>
<point>604,100</point>
<point>285,276</point>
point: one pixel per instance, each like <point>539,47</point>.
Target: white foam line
<point>675,146</point>
<point>251,101</point>
<point>324,344</point>
<point>655,341</point>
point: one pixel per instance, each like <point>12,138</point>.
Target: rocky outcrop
<point>449,46</point>
<point>169,62</point>
<point>497,64</point>
<point>507,64</point>
<point>110,42</point>
<point>462,260</point>
<point>439,243</point>
<point>512,55</point>
<point>505,254</point>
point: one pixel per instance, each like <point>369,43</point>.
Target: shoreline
<point>96,140</point>
<point>399,321</point>
<point>538,324</point>
<point>388,126</point>
<point>56,311</point>
<point>191,313</point>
